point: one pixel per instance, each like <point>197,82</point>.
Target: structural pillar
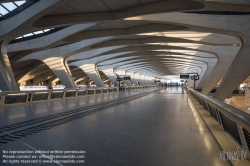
<point>7,79</point>
<point>56,64</point>
<point>91,71</point>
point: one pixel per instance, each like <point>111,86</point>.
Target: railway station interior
<point>125,82</point>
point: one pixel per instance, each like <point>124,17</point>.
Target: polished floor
<point>160,129</point>
<point>19,113</point>
<point>240,102</point>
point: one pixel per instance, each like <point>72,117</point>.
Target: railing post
<point>219,117</point>
<point>242,137</point>
<point>208,108</point>
<point>64,93</point>
<point>31,97</point>
<point>3,99</point>
<point>27,97</point>
<point>77,93</point>
<point>49,95</point>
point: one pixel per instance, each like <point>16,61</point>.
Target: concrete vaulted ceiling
<point>79,41</point>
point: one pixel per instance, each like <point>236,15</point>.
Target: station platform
<point>156,127</point>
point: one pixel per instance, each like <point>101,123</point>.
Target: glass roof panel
<point>38,32</point>
<point>9,5</point>
<point>35,33</point>
<point>29,34</point>
<point>3,11</point>
<point>46,30</point>
<point>19,3</point>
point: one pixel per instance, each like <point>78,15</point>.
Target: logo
<point>234,155</point>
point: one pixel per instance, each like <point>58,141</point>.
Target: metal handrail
<point>27,96</point>
<point>50,90</point>
<point>13,97</point>
<point>234,121</point>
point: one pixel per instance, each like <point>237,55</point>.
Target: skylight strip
<point>5,7</point>
<point>36,33</point>
<point>9,5</point>
<point>46,30</point>
<point>3,11</point>
<point>19,3</point>
<point>27,35</point>
<point>15,4</point>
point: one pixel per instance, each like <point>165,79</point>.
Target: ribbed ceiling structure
<point>96,40</point>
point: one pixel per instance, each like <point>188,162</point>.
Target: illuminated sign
<point>58,87</point>
<point>31,88</point>
<point>119,79</point>
<point>182,76</point>
<point>126,78</point>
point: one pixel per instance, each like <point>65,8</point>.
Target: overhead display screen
<point>119,79</point>
<point>182,76</point>
<point>126,78</point>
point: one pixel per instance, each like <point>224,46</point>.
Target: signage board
<point>184,76</point>
<point>126,78</point>
<point>58,87</point>
<point>33,88</point>
<point>81,86</point>
<point>195,77</point>
<point>119,79</point>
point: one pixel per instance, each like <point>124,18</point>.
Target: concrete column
<point>237,73</point>
<point>91,71</point>
<point>56,64</point>
<point>7,79</point>
<point>226,58</point>
<point>110,74</point>
<point>57,57</point>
